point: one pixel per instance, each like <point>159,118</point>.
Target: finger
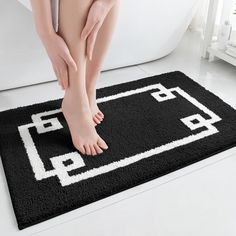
<point>64,74</point>
<point>60,83</point>
<point>64,78</point>
<point>70,61</point>
<point>87,28</point>
<point>66,81</point>
<point>56,74</point>
<point>61,78</point>
<point>58,77</point>
<point>91,40</point>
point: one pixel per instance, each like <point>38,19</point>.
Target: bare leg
<point>93,68</point>
<point>75,105</point>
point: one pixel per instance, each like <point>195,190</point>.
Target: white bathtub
<point>146,30</point>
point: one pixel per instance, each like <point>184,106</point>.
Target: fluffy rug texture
<point>153,126</point>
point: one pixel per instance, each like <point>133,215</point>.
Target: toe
<point>98,149</point>
<point>96,120</point>
<point>81,149</point>
<point>87,149</point>
<point>93,150</point>
<point>101,143</point>
<point>99,117</point>
<point>100,114</point>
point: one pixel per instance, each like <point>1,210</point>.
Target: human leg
<point>75,105</point>
<point>93,67</point>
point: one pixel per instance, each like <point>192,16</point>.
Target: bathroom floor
<point>196,200</point>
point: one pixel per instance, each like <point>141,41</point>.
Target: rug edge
<point>109,86</point>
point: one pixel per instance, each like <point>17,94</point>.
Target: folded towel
<point>231,53</point>
<point>231,48</point>
<point>232,43</point>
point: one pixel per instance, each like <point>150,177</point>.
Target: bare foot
<point>79,119</point>
<point>97,115</point>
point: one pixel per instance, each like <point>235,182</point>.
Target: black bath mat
<point>153,126</point>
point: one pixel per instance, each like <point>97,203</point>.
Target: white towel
<point>231,48</point>
<point>231,53</point>
<point>54,7</point>
<point>232,43</point>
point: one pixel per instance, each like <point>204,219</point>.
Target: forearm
<point>42,18</point>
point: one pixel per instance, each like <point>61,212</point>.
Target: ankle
<point>72,102</point>
<point>73,96</point>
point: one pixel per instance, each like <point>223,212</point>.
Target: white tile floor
<point>196,200</point>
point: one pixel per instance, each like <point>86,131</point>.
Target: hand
<point>96,15</point>
<point>60,57</point>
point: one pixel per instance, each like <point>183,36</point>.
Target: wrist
<point>46,35</point>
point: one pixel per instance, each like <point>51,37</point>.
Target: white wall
<point>21,52</point>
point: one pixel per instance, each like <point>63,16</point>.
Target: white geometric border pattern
<point>61,170</point>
